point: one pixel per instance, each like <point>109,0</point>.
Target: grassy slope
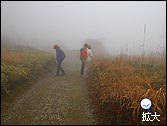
<point>116,88</point>
<point>21,64</point>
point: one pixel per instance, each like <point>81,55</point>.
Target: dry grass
<point>116,87</point>
<point>20,65</point>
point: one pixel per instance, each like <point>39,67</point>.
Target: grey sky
<point>118,22</point>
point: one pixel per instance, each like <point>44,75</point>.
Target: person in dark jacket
<point>59,58</point>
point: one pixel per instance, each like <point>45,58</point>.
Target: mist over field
<point>102,84</point>
<point>118,25</point>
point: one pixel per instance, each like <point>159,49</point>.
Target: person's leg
<point>82,68</point>
<point>62,69</point>
<point>58,68</point>
<point>85,68</point>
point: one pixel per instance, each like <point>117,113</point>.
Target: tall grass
<point>117,85</point>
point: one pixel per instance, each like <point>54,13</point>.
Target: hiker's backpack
<point>83,54</point>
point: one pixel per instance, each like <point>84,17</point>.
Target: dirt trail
<point>54,100</point>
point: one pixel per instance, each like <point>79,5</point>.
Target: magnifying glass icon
<point>146,104</point>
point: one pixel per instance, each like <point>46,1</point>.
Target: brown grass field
<point>116,86</point>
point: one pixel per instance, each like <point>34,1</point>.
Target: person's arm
<point>62,55</point>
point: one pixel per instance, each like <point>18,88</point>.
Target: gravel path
<point>54,100</point>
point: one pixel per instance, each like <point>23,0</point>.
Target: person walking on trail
<point>88,60</point>
<point>83,57</point>
<point>59,58</point>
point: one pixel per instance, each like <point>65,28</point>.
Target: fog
<point>119,24</point>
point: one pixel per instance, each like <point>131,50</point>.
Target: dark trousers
<point>59,68</point>
<point>82,67</point>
